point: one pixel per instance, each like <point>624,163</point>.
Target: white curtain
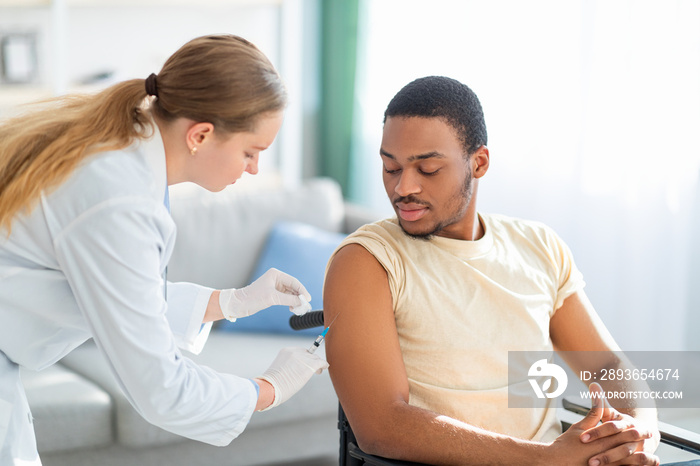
<point>593,113</point>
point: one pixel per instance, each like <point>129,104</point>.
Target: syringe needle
<point>319,339</point>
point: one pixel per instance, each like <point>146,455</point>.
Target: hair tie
<point>152,85</point>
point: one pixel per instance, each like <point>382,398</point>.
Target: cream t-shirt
<point>460,306</point>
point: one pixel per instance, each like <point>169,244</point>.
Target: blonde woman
<point>86,236</point>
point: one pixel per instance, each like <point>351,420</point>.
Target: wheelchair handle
<point>309,320</point>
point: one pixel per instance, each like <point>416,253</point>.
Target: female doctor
<point>86,236</point>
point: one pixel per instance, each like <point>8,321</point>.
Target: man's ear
<point>480,162</point>
<point>198,133</point>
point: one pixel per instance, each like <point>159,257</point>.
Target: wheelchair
<point>350,453</point>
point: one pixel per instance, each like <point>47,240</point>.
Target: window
<point>593,110</point>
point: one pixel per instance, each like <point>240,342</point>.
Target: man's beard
<point>463,198</point>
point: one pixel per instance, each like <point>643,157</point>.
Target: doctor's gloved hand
<point>290,371</point>
<point>271,289</point>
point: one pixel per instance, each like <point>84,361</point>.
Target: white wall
<point>136,41</point>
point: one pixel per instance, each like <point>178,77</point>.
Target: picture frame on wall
<point>18,53</point>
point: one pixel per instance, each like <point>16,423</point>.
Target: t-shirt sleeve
<point>569,277</point>
<point>379,246</point>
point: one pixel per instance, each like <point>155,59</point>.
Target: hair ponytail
<point>42,148</point>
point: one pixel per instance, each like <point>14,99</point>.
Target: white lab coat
<point>88,261</point>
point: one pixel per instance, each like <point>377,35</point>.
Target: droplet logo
<point>542,368</point>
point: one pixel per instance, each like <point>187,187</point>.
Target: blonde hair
<point>222,79</point>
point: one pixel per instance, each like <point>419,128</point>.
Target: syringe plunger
<point>317,342</point>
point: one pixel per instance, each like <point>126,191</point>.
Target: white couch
<point>82,418</point>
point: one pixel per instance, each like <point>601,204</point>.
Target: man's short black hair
<point>446,98</point>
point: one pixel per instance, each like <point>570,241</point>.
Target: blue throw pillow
<point>301,250</point>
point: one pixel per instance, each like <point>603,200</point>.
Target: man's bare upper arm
<point>581,337</point>
<point>362,347</point>
<point>576,326</point>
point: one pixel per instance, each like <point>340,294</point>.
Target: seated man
<point>430,303</point>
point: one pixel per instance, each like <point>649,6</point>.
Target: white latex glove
<point>271,289</point>
<point>290,371</point>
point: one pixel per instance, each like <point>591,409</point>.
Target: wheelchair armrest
<point>355,452</point>
<point>670,434</point>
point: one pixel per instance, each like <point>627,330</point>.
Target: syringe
<point>319,339</point>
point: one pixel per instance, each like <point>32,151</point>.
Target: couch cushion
<point>69,411</point>
<point>302,251</point>
<point>131,429</point>
<point>220,235</point>
<point>246,355</point>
